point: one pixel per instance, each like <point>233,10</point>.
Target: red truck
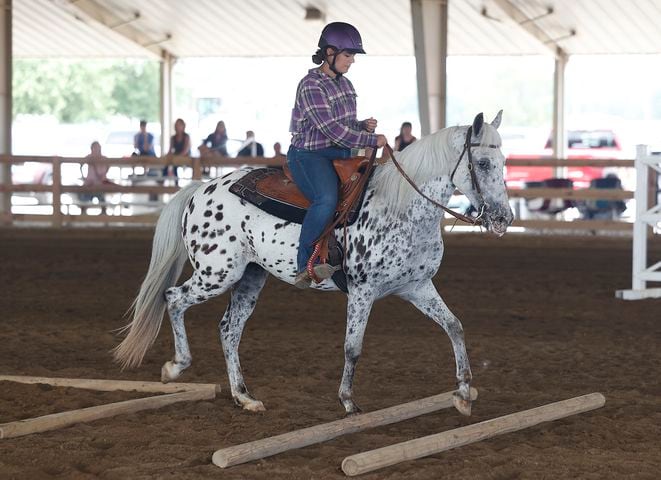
<point>581,144</point>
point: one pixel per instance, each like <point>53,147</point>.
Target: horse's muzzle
<point>497,221</point>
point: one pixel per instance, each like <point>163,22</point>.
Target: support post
<point>167,62</point>
<point>197,168</point>
<point>430,38</point>
<point>5,105</point>
<point>57,192</point>
<point>559,140</point>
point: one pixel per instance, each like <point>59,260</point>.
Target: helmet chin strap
<point>331,65</point>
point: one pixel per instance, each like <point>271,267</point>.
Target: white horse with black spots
<point>395,247</point>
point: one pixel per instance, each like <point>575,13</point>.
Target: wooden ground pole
<point>266,447</point>
<point>174,393</point>
<point>440,442</point>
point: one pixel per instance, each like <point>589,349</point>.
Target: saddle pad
<point>269,189</point>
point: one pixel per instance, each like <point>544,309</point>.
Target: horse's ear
<point>496,121</point>
<point>477,124</point>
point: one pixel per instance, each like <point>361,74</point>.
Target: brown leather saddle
<point>353,174</point>
<point>282,187</point>
<point>274,191</point>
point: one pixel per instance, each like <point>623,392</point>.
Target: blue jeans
<point>315,176</point>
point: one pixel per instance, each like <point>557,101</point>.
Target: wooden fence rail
<point>198,165</point>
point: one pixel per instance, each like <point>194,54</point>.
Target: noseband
<point>471,168</point>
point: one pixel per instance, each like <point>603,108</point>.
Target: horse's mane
<point>423,160</point>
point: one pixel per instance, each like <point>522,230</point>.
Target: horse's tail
<point>168,258</point>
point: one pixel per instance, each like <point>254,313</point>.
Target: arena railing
<point>60,214</point>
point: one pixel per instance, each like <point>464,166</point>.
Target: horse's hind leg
<point>179,299</point>
<point>242,303</point>
<point>428,301</point>
<point>195,290</point>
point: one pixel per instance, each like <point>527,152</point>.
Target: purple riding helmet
<point>341,36</point>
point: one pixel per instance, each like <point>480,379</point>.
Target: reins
<point>476,186</point>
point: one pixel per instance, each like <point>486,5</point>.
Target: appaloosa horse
<point>395,247</point>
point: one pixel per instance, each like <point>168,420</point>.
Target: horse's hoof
<point>254,406</point>
<point>351,408</point>
<point>168,372</point>
<point>462,406</point>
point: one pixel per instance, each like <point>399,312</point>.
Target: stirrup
<point>322,271</point>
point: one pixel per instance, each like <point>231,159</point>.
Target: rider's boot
<point>322,272</point>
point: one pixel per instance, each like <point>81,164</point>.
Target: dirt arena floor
<point>541,324</point>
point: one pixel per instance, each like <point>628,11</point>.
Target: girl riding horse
<point>324,127</point>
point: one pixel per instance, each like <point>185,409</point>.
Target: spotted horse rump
<point>394,247</point>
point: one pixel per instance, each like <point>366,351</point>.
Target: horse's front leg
<point>425,297</point>
<point>358,311</point>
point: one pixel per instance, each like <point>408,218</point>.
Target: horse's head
<point>478,172</point>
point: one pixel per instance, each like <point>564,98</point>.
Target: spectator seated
<point>550,206</point>
<point>603,209</point>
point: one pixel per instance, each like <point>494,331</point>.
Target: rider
<point>324,127</point>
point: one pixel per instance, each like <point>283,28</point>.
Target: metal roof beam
<point>125,27</point>
<point>528,25</point>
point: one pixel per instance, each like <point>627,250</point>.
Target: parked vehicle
<point>581,144</point>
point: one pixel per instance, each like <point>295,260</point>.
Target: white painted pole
<point>639,262</point>
<point>440,442</point>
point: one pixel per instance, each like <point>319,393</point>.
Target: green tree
<point>136,90</point>
<point>76,91</point>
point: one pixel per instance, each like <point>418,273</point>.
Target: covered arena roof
<point>138,28</point>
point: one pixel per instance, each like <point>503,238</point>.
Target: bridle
<point>471,168</point>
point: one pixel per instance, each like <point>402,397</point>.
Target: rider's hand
<point>370,124</point>
<point>381,141</point>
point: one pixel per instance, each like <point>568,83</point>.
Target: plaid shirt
<point>324,114</point>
